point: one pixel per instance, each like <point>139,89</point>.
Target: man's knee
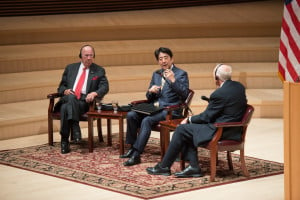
<point>71,98</point>
<point>180,131</point>
<point>181,128</point>
<point>148,121</point>
<point>132,115</point>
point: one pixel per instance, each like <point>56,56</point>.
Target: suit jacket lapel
<point>167,83</point>
<point>90,76</point>
<point>74,73</point>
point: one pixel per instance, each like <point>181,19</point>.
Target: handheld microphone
<point>160,72</point>
<point>205,98</point>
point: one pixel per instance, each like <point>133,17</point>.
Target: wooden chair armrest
<point>92,106</point>
<point>218,134</point>
<point>139,101</point>
<point>228,124</point>
<point>171,124</point>
<point>52,98</point>
<point>216,138</point>
<point>53,95</point>
<point>169,108</point>
<point>174,107</point>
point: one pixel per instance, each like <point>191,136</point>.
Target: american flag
<point>289,50</point>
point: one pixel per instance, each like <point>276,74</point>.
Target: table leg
<point>162,142</point>
<point>165,140</point>
<point>90,134</point>
<point>109,139</point>
<point>121,134</point>
<point>99,127</point>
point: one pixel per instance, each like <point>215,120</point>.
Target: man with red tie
<point>81,82</point>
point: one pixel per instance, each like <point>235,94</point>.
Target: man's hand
<point>90,97</point>
<point>155,89</point>
<point>184,121</point>
<point>68,92</point>
<point>169,74</point>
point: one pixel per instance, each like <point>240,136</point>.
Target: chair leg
<point>162,144</point>
<point>164,141</point>
<point>213,164</point>
<point>99,127</point>
<point>50,131</point>
<point>243,163</point>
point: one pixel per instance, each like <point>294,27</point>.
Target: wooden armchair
<point>165,136</point>
<point>229,146</point>
<point>55,115</point>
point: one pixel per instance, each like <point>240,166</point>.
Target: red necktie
<point>80,83</point>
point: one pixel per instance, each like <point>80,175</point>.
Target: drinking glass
<point>98,105</point>
<point>115,106</point>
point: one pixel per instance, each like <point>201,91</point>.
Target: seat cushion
<point>228,142</point>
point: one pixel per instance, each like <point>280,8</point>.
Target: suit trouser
<point>70,111</point>
<point>139,128</point>
<point>182,139</point>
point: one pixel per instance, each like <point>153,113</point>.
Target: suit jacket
<point>227,104</point>
<point>171,93</point>
<point>97,81</point>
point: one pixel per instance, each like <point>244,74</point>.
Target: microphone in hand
<point>205,98</point>
<point>160,72</point>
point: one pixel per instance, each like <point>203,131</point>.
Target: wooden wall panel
<point>47,7</point>
<point>291,140</point>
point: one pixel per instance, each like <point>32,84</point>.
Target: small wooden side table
<point>109,115</point>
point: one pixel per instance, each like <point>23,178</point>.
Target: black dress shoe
<point>189,172</point>
<point>77,137</point>
<point>128,154</point>
<point>158,170</point>
<point>65,147</point>
<point>133,160</point>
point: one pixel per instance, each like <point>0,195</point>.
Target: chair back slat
<point>248,115</point>
<point>188,102</point>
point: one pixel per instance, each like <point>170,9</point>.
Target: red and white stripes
<point>289,51</point>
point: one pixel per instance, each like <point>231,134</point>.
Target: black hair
<point>163,50</point>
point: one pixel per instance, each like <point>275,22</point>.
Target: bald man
<point>81,82</point>
<point>226,104</point>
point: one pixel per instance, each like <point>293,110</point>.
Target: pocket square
<point>95,78</point>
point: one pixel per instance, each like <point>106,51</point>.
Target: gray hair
<point>223,72</point>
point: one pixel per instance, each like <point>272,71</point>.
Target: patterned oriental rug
<point>104,169</point>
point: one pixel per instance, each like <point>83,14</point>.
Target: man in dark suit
<point>81,82</point>
<point>168,86</point>
<point>226,104</point>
